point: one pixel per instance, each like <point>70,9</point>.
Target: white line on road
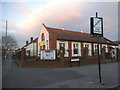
<point>114,86</point>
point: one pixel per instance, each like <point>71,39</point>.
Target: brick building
<point>70,45</point>
<point>73,42</point>
<point>118,43</point>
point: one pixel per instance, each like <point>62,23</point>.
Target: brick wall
<point>37,47</point>
<point>92,49</point>
<point>69,48</point>
<point>62,62</point>
<point>52,41</point>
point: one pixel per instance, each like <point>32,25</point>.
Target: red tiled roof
<point>76,36</point>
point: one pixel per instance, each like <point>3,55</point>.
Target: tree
<point>8,43</point>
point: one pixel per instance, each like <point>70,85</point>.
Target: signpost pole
<point>99,66</point>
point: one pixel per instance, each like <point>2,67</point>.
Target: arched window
<point>42,37</point>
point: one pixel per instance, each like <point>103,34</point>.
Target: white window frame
<point>94,48</point>
<point>90,48</point>
<point>106,47</point>
<point>66,47</point>
<point>79,49</point>
<point>115,52</point>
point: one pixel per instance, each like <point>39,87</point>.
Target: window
<point>42,37</point>
<point>62,45</point>
<point>75,48</point>
<point>105,47</point>
<point>95,50</point>
<point>88,46</point>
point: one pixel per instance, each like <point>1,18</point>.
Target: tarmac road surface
<point>15,76</point>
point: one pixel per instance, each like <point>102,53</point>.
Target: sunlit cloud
<point>66,12</point>
<point>70,14</point>
<point>55,0</point>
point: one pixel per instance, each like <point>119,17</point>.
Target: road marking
<point>90,82</point>
<point>114,86</point>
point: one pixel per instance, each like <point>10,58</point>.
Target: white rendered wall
<point>46,33</point>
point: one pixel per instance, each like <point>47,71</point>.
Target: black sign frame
<point>92,27</point>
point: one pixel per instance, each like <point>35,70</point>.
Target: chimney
<point>31,39</point>
<point>26,42</point>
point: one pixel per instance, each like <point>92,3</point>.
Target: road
<point>68,77</point>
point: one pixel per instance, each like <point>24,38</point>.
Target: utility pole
<point>6,28</point>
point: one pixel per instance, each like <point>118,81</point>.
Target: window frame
<point>89,48</point>
<point>66,47</point>
<point>75,47</point>
<point>79,49</point>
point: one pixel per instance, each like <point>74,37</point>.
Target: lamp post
<point>6,22</point>
<point>6,28</point>
<point>6,25</point>
<point>6,38</point>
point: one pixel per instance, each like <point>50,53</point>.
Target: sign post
<point>96,26</point>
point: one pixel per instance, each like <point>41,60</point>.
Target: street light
<point>5,25</point>
<point>6,35</point>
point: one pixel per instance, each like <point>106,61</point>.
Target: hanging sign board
<point>42,43</point>
<point>48,54</point>
<point>96,26</point>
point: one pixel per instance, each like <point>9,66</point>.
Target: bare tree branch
<point>9,43</point>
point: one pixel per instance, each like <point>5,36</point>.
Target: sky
<point>25,17</point>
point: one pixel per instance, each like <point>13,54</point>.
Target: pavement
<point>15,76</point>
<point>0,72</point>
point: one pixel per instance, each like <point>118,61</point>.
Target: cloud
<point>53,12</point>
<point>70,14</point>
<point>55,0</point>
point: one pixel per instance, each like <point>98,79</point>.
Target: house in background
<point>31,47</point>
<point>73,42</point>
<point>118,43</point>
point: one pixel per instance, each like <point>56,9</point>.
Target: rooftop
<point>70,35</point>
